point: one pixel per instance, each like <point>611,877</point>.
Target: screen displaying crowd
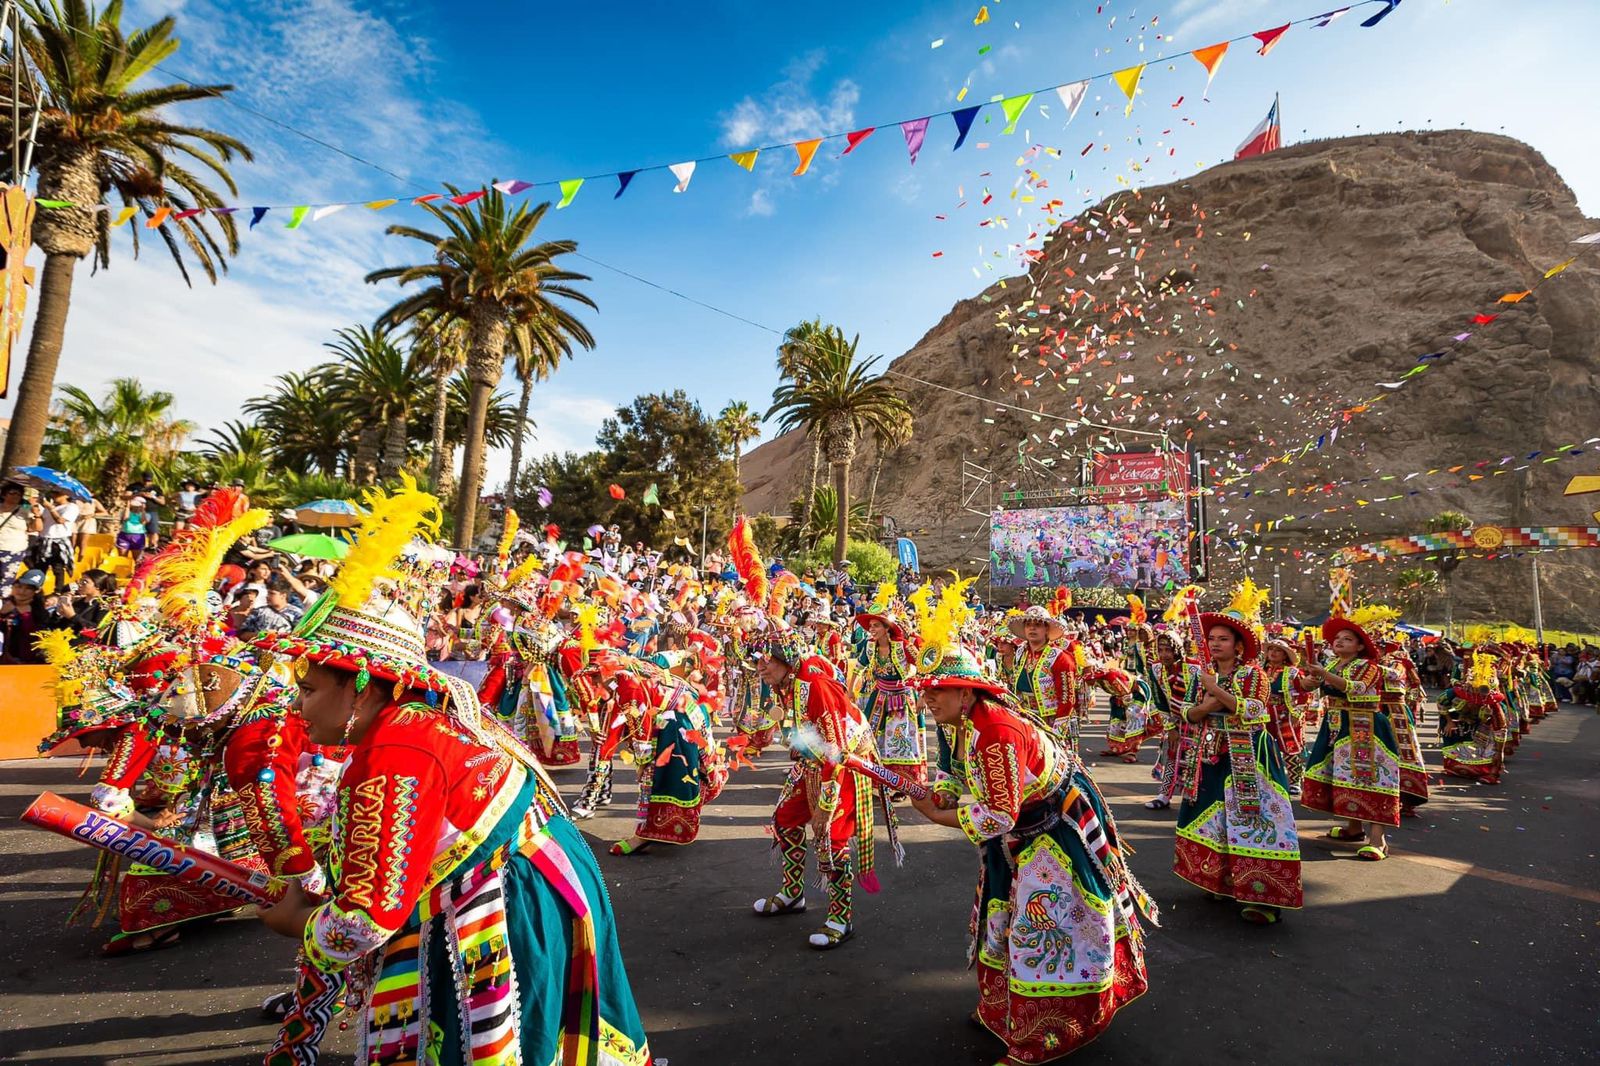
<point>1117,545</point>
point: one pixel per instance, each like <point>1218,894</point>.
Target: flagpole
<point>1276,106</point>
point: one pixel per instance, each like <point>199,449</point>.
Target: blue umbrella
<point>327,514</point>
<point>46,479</point>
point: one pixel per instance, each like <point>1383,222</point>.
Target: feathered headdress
<point>1180,603</point>
<point>57,648</point>
<point>942,629</point>
<point>588,618</point>
<point>1248,599</point>
<point>391,521</point>
<point>1376,618</point>
<point>747,562</point>
<point>1136,611</point>
<point>883,597</point>
<point>508,537</point>
<point>1481,674</point>
<point>922,602</point>
<point>782,587</point>
<point>186,571</point>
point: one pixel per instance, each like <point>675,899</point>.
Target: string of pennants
<point>1504,537</point>
<point>914,130</point>
<point>1424,363</point>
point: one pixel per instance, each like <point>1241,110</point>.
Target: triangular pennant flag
<point>1483,320</point>
<point>915,131</point>
<point>746,159</point>
<point>512,187</point>
<point>1072,96</point>
<point>853,139</point>
<point>1559,267</point>
<point>220,211</point>
<point>1210,58</point>
<point>56,203</point>
<point>1268,38</point>
<point>622,182</point>
<point>1380,16</point>
<point>296,217</point>
<point>467,197</point>
<point>964,119</point>
<point>1014,106</point>
<point>323,212</point>
<point>683,172</point>
<point>379,205</point>
<point>805,150</point>
<point>155,220</point>
<point>257,214</point>
<point>1515,297</point>
<point>1587,238</point>
<point>128,212</point>
<point>569,189</point>
<point>1127,80</point>
<point>1329,17</point>
<point>428,198</point>
<point>651,496</point>
<point>190,213</point>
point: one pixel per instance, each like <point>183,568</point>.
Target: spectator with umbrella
<point>60,529</point>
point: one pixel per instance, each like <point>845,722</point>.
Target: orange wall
<point>27,709</point>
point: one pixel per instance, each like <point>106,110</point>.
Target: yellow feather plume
<point>882,598</point>
<point>1478,634</point>
<point>508,537</point>
<point>1374,616</point>
<point>922,601</point>
<point>1180,600</point>
<point>588,615</point>
<point>1248,599</point>
<point>1136,611</point>
<point>391,521</point>
<point>942,627</point>
<point>57,648</point>
<point>1481,673</point>
<point>186,571</point>
<point>522,571</point>
<point>782,587</point>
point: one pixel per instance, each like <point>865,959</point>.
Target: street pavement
<point>1478,941</point>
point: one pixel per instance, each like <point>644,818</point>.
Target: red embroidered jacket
<point>416,800</point>
<point>262,760</point>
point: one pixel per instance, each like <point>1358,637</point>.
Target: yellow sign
<point>1488,537</point>
<point>1583,484</point>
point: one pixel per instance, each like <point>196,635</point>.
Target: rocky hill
<point>1270,297</point>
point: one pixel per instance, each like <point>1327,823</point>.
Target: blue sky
<point>469,93</point>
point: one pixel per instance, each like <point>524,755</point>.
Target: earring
<point>349,724</point>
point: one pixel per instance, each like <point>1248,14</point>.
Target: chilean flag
<point>1266,137</point>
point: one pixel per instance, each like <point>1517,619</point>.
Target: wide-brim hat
<point>103,704</point>
<point>1336,625</point>
<point>896,630</point>
<point>1037,613</point>
<point>381,640</point>
<point>953,667</point>
<point>1247,634</point>
<point>777,642</point>
<point>1286,646</point>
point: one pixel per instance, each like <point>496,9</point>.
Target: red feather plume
<point>747,561</point>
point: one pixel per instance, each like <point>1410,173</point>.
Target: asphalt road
<point>1479,941</point>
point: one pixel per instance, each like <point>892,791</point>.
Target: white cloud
<point>1192,16</point>
<point>790,110</point>
<point>760,203</point>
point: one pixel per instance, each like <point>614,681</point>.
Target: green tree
<point>798,342</point>
<point>438,345</point>
<point>824,520</point>
<point>302,423</point>
<point>538,345</point>
<point>1445,562</point>
<point>488,270</point>
<point>738,426</point>
<point>102,138</point>
<point>376,387</point>
<point>1415,584</point>
<point>103,442</point>
<point>870,562</point>
<point>840,397</point>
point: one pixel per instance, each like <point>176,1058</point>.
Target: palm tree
<point>839,398</point>
<point>106,440</point>
<point>488,271</point>
<point>797,343</point>
<point>1414,584</point>
<point>499,421</point>
<point>738,426</point>
<point>539,344</point>
<point>886,438</point>
<point>237,438</point>
<point>438,345</point>
<point>303,424</point>
<point>1446,562</point>
<point>101,137</point>
<point>825,518</point>
<point>377,388</point>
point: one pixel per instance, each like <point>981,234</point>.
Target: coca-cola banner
<point>1142,475</point>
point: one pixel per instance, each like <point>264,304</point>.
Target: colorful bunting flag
<point>1269,38</point>
<point>651,496</point>
<point>1388,10</point>
<point>569,189</point>
<point>683,172</point>
<point>1127,80</point>
<point>428,198</point>
<point>128,212</point>
<point>1483,320</point>
<point>805,150</point>
<point>155,220</point>
<point>622,182</point>
<point>297,216</point>
<point>257,214</point>
<point>1589,238</point>
<point>463,199</point>
<point>1211,59</point>
<point>1072,96</point>
<point>746,159</point>
<point>220,211</point>
<point>1516,297</point>
<point>1559,267</point>
<point>379,205</point>
<point>915,131</point>
<point>323,212</point>
<point>853,139</point>
<point>1014,106</point>
<point>964,119</point>
<point>511,188</point>
<point>1330,17</point>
